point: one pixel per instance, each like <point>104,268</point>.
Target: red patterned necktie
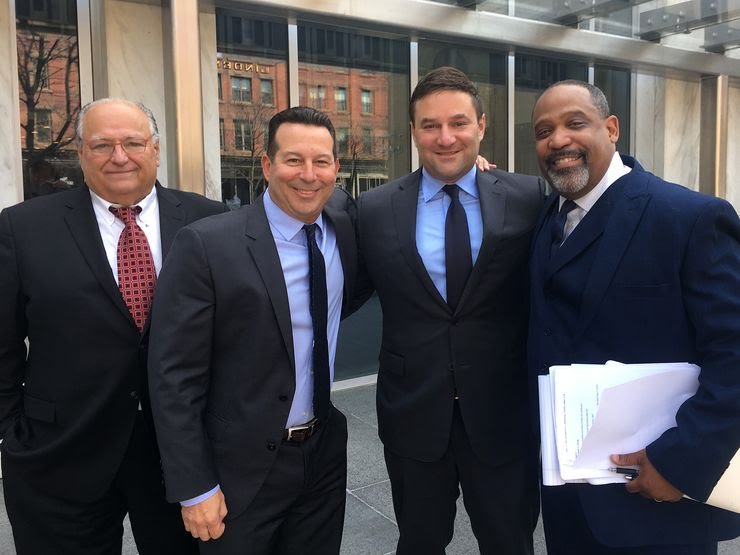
<point>137,275</point>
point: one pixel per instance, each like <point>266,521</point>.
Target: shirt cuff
<point>202,497</point>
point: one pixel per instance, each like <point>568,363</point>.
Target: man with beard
<point>630,268</point>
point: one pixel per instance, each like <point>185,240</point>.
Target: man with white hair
<point>77,274</point>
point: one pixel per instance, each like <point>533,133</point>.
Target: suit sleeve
<point>363,288</point>
<point>180,366</point>
<point>693,455</point>
<point>13,328</point>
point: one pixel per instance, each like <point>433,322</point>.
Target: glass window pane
<point>367,77</point>
<point>487,69</point>
<point>252,56</point>
<point>532,75</point>
<point>49,95</point>
<point>616,84</point>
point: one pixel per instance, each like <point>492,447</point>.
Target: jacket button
<point>283,398</point>
<point>271,446</point>
<point>134,395</point>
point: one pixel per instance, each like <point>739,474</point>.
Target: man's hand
<point>649,483</point>
<point>483,164</point>
<point>205,520</point>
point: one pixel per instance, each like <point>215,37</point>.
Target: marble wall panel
<point>136,69</point>
<point>733,145</point>
<point>209,86</point>
<point>681,132</point>
<point>11,169</point>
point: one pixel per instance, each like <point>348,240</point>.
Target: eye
<point>460,124</point>
<point>134,145</point>
<point>541,133</point>
<point>101,148</point>
<point>429,126</point>
<point>576,123</point>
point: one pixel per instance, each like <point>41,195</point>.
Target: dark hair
<point>445,78</point>
<point>303,115</point>
<point>598,99</point>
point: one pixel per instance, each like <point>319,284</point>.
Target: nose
<point>308,173</point>
<point>559,138</point>
<point>118,156</point>
<point>446,136</point>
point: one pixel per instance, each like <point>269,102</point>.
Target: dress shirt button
<point>548,332</point>
<point>283,398</point>
<point>134,395</point>
<point>271,446</point>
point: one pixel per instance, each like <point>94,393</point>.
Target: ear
<point>156,153</point>
<point>266,165</point>
<point>612,127</point>
<point>413,135</point>
<point>481,126</point>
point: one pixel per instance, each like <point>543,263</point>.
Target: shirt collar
<point>431,186</point>
<point>148,206</point>
<point>287,226</point>
<point>616,169</point>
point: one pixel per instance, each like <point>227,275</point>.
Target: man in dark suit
<point>452,392</point>
<point>242,354</point>
<point>638,270</point>
<point>78,448</point>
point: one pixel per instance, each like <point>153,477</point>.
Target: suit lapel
<point>261,246</point>
<point>404,202</point>
<point>626,206</point>
<point>83,226</point>
<point>171,217</point>
<point>493,207</point>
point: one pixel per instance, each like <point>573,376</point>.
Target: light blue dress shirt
<point>290,240</point>
<point>431,212</point>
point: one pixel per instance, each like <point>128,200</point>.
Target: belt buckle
<point>301,433</point>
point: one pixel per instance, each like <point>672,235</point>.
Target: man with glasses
<point>77,273</point>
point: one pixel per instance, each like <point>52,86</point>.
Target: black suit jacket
<point>651,274</point>
<point>429,352</point>
<point>222,364</point>
<point>67,407</point>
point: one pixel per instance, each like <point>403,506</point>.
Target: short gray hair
<point>153,129</point>
<point>598,98</point>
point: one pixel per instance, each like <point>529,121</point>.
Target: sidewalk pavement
<point>370,527</point>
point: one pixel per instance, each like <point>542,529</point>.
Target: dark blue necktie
<point>558,226</point>
<point>458,259</point>
<point>319,310</point>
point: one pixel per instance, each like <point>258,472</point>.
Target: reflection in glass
<point>532,75</point>
<point>252,57</point>
<point>49,94</point>
<point>616,84</point>
<point>487,69</point>
<point>362,82</point>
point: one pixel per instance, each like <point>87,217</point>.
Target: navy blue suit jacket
<point>651,274</point>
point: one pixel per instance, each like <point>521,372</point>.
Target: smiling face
<point>303,171</point>
<point>574,142</point>
<point>447,134</point>
<point>120,177</point>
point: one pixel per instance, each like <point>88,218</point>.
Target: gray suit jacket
<point>222,365</point>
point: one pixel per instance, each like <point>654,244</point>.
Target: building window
<point>342,140</point>
<point>220,91</point>
<point>340,99</point>
<point>366,100</point>
<point>221,134</point>
<point>317,96</point>
<point>367,140</point>
<point>42,126</point>
<point>241,89</point>
<point>266,92</point>
<point>242,135</point>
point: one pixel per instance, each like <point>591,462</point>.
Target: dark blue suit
<point>651,274</point>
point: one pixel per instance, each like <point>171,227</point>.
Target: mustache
<point>550,158</point>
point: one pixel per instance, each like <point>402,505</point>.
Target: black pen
<point>629,473</point>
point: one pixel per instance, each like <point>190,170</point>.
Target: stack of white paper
<point>591,411</point>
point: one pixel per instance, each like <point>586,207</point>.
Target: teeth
<point>566,160</point>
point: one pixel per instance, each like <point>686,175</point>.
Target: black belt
<point>299,434</point>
